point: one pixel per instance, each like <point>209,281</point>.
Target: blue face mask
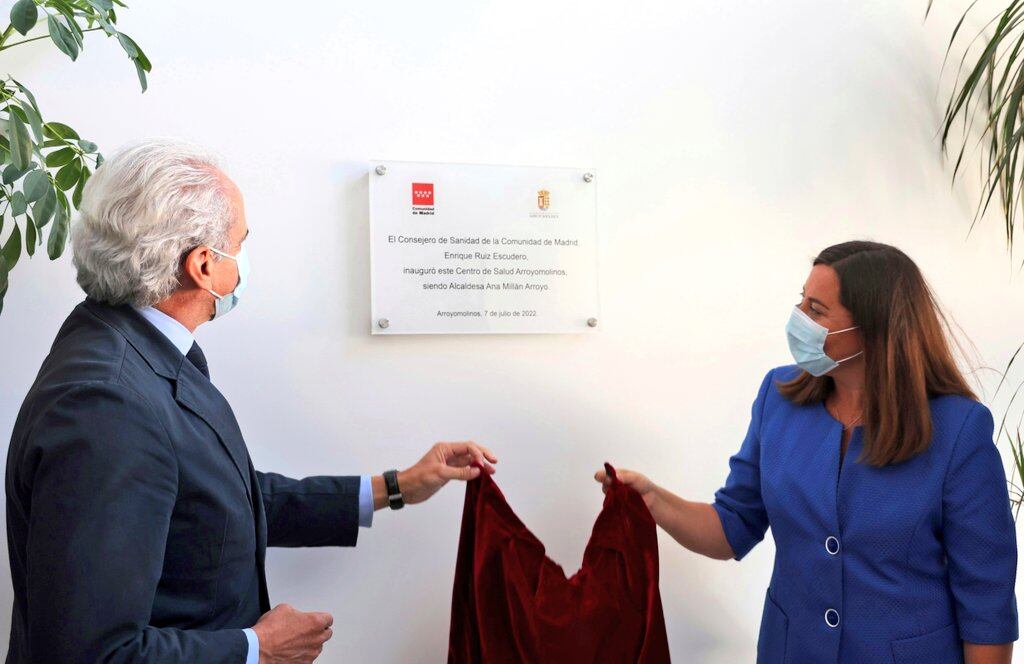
<point>226,303</point>
<point>807,343</point>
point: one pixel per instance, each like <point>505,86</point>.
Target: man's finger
<point>323,620</point>
<point>460,460</point>
<point>483,453</point>
<point>456,447</point>
<point>488,454</point>
<point>468,447</point>
<point>464,473</point>
<point>601,476</point>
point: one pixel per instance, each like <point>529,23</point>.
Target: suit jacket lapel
<point>193,391</point>
<point>191,388</point>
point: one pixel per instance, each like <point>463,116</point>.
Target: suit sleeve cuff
<point>253,656</point>
<point>365,502</point>
<point>736,532</point>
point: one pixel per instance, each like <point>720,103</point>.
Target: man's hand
<point>444,462</point>
<point>287,635</point>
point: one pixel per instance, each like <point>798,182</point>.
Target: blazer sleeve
<point>315,511</point>
<point>102,480</point>
<point>979,535</point>
<point>739,503</point>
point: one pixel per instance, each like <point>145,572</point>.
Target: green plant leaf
<point>142,74</point>
<point>62,37</point>
<point>108,27</point>
<point>128,45</point>
<point>102,6</point>
<point>58,234</point>
<point>68,175</point>
<point>88,147</point>
<point>75,30</point>
<point>3,279</point>
<point>36,184</point>
<point>139,55</point>
<point>60,130</point>
<point>45,207</point>
<point>16,109</point>
<point>134,51</point>
<point>60,157</point>
<point>18,204</point>
<point>21,144</point>
<point>12,249</point>
<point>76,198</point>
<point>30,237</point>
<point>24,15</point>
<point>34,121</point>
<point>12,173</point>
<point>63,7</point>
<point>28,93</point>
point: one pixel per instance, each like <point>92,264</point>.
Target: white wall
<point>732,141</point>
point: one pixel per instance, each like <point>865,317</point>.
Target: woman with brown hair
<point>874,464</point>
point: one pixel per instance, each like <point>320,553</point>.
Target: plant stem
<point>6,34</point>
<point>4,47</point>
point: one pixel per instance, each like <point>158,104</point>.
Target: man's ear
<point>197,268</point>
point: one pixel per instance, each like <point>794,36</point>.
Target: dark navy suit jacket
<point>136,523</point>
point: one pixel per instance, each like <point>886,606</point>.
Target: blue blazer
<point>136,524</point>
<point>896,564</point>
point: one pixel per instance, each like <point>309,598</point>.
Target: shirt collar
<point>175,332</point>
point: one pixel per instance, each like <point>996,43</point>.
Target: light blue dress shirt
<point>182,339</point>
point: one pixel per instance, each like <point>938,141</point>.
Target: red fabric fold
<point>511,603</point>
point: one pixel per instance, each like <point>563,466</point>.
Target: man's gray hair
<point>141,211</point>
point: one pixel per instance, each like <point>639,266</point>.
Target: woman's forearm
<point>977,653</point>
<point>694,525</point>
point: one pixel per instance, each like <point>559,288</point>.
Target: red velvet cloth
<point>511,603</point>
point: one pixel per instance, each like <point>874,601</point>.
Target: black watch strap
<point>395,499</point>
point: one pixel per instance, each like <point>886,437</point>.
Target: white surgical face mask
<point>807,343</point>
<point>226,303</point>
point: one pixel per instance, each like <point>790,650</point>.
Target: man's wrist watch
<point>395,500</point>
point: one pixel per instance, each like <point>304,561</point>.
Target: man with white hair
<point>137,525</point>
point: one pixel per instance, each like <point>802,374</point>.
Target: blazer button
<point>832,618</point>
<point>832,545</point>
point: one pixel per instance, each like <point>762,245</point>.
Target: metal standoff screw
<point>588,177</point>
<point>381,170</point>
<point>383,323</point>
<point>592,322</point>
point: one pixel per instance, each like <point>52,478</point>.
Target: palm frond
<point>987,99</point>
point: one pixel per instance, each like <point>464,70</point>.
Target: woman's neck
<point>848,393</point>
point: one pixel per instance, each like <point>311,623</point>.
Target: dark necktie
<point>196,357</point>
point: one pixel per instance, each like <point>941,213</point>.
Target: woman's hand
<point>636,481</point>
<point>694,525</point>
